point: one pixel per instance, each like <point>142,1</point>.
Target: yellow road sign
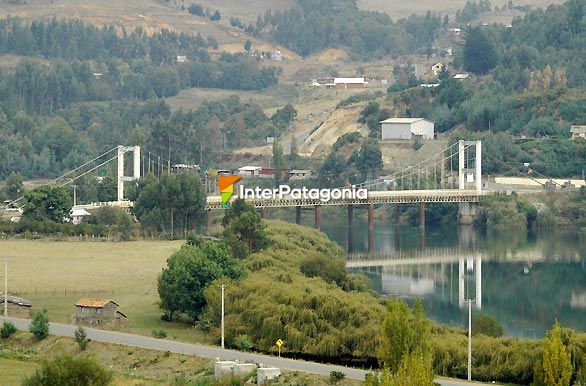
<point>280,342</point>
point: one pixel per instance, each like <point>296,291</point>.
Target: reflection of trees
<point>536,297</point>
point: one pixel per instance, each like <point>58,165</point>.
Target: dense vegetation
<point>313,25</point>
<point>37,146</point>
<point>80,89</point>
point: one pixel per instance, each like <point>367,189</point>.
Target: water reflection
<point>525,280</point>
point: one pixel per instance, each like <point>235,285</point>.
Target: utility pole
<point>74,195</point>
<point>469,339</point>
<point>5,287</point>
<point>223,286</point>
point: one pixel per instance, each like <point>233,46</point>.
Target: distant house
<point>277,56</point>
<point>436,68</point>
<point>181,59</point>
<point>461,76</point>
<point>98,311</point>
<point>345,83</point>
<point>210,173</point>
<point>578,132</point>
<point>249,171</point>
<point>77,215</point>
<point>299,174</point>
<point>270,173</point>
<point>17,307</point>
<point>407,128</point>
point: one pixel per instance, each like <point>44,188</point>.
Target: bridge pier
<point>298,215</point>
<point>422,215</point>
<point>317,217</point>
<point>349,242</point>
<point>467,213</point>
<point>263,212</point>
<point>371,229</point>
<point>397,216</point>
<point>208,222</point>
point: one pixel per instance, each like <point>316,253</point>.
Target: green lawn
<point>12,372</point>
<point>54,275</point>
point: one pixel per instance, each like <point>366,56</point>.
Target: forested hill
<point>102,64</point>
<point>317,24</point>
<point>80,90</point>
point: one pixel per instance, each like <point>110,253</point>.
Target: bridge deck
<point>374,197</point>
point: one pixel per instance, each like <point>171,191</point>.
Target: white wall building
<point>407,128</point>
<point>249,171</point>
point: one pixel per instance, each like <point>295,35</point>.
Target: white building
<point>407,128</point>
<point>249,171</point>
<point>77,215</point>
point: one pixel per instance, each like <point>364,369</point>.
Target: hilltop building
<point>407,128</point>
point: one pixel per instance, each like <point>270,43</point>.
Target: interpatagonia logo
<point>226,185</point>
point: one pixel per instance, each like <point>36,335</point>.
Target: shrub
<point>7,329</point>
<point>336,376</point>
<point>417,144</point>
<point>243,343</point>
<point>40,325</point>
<point>81,338</point>
<point>487,324</point>
<point>66,370</point>
<point>159,334</point>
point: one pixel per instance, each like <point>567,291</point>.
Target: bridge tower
<point>464,170</point>
<point>135,168</point>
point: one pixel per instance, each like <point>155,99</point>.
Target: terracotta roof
<point>94,303</point>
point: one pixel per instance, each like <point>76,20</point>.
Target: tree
<point>283,117</point>
<point>47,203</point>
<point>370,159</point>
<point>278,160</point>
<point>397,335</point>
<point>247,45</point>
<point>416,370</point>
<point>557,365</point>
<point>14,187</point>
<point>8,328</point>
<point>189,271</point>
<point>245,233</point>
<point>421,332</point>
<point>175,201</point>
<point>404,333</point>
<point>81,338</point>
<point>39,327</point>
<point>294,152</point>
<point>333,171</point>
<point>487,324</point>
<point>66,370</point>
<point>216,16</point>
<point>479,52</point>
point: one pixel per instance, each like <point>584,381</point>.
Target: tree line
<point>38,146</point>
<point>314,25</point>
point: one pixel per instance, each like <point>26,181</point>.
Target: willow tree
<point>557,366</point>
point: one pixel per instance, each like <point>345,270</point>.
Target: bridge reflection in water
<point>400,273</point>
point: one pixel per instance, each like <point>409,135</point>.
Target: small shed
<point>249,171</point>
<point>77,215</point>
<point>407,128</point>
<point>17,307</point>
<point>578,132</point>
<point>98,311</point>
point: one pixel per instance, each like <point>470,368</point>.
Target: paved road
<point>208,351</point>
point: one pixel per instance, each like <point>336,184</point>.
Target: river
<point>524,279</point>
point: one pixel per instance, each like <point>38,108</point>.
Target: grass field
<point>54,275</point>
